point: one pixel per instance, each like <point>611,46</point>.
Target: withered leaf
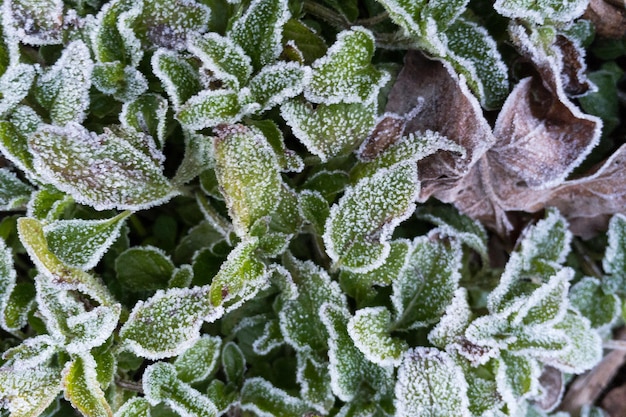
<point>608,18</point>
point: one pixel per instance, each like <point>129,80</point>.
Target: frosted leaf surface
<point>427,284</point>
<point>226,60</point>
<point>300,322</point>
<point>31,353</point>
<point>289,160</point>
<point>369,329</point>
<point>180,80</point>
<point>454,322</point>
<point>548,240</point>
<point>146,113</point>
<point>314,379</point>
<point>270,339</point>
<point>430,383</point>
<point>199,361</point>
<point>55,306</point>
<point>240,277</point>
<point>345,74</point>
<point>361,223</point>
<point>259,31</point>
<point>82,389</point>
<point>168,323</point>
<point>517,377</point>
<point>113,39</point>
<point>82,243</point>
<point>124,83</point>
<point>329,183</point>
<point>91,329</point>
<point>276,83</point>
<point>614,262</point>
<point>63,89</point>
<point>104,171</point>
<point>329,130</point>
<point>28,392</point>
<point>14,147</point>
<point>34,22</point>
<point>210,108</point>
<point>349,369</point>
<point>233,363</point>
<point>135,407</point>
<point>15,84</point>
<point>585,349</point>
<point>161,385</point>
<point>16,306</point>
<point>14,194</point>
<point>168,24</point>
<point>541,12</point>
<point>48,204</point>
<point>198,157</point>
<point>144,268</point>
<point>265,400</point>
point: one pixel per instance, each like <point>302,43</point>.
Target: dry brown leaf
<point>608,18</point>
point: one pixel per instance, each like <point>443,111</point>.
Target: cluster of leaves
<point>207,208</point>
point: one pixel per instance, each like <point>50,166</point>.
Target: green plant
<point>215,215</point>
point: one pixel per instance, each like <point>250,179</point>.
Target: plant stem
<point>615,345</point>
<point>372,21</point>
<point>129,385</point>
<point>326,14</point>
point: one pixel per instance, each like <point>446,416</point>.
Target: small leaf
<point>331,129</point>
<point>15,84</point>
<point>124,83</point>
<point>265,400</point>
<point>168,323</point>
<point>360,224</point>
<point>144,268</point>
<point>31,353</point>
<point>48,204</point>
<point>345,74</point>
<point>210,108</point>
<point>454,322</point>
<point>135,407</point>
<point>259,30</point>
<point>517,377</point>
<point>36,22</point>
<point>542,12</point>
<point>309,43</point>
<point>64,88</point>
<point>14,194</point>
<point>82,389</point>
<point>289,160</point>
<point>233,363</point>
<point>614,262</point>
<point>430,383</point>
<point>82,243</point>
<point>114,39</point>
<point>180,80</point>
<point>169,24</point>
<point>369,329</point>
<point>314,209</point>
<point>548,240</point>
<point>105,171</point>
<point>28,392</point>
<point>199,361</point>
<point>314,380</point>
<point>161,385</point>
<point>146,114</point>
<point>277,83</point>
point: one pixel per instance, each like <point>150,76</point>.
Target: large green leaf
<point>210,108</point>
<point>277,83</point>
<point>601,308</point>
<point>82,389</point>
<point>144,268</point>
<point>369,329</point>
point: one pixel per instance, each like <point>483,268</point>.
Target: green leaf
<point>28,392</point>
<point>614,262</point>
<point>328,183</point>
<point>105,171</point>
<point>124,83</point>
<point>169,24</point>
<point>360,224</point>
<point>198,157</point>
<point>369,329</point>
<point>590,299</point>
<point>259,31</point>
<point>90,329</point>
<point>16,306</point>
<point>48,204</point>
<point>144,268</point>
<point>545,11</point>
<point>82,243</point>
<point>585,347</point>
<point>329,130</point>
<point>226,60</point>
<point>233,363</point>
<point>114,39</point>
<point>314,379</point>
<point>179,78</point>
<point>210,108</point>
<point>277,83</point>
<point>135,407</point>
<point>14,147</point>
<point>15,84</point>
<point>161,385</point>
<point>31,353</point>
<point>309,43</point>
<point>548,303</point>
<point>270,339</point>
<point>147,114</point>
<point>265,400</point>
<point>454,322</point>
<point>427,284</point>
<point>14,194</point>
<point>314,209</point>
<point>168,323</point>
<point>549,240</point>
<point>604,102</point>
<point>64,88</point>
<point>345,74</point>
<point>430,383</point>
<point>34,22</point>
<point>289,160</point>
<point>222,395</point>
<point>82,388</point>
<point>517,377</point>
<point>199,361</point>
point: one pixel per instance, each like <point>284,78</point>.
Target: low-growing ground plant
<point>290,208</point>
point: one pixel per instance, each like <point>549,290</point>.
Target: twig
<point>129,385</point>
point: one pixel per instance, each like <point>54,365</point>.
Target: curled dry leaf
<point>540,136</point>
<point>608,18</point>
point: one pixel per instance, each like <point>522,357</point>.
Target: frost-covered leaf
<point>15,84</point>
<point>360,224</point>
<point>63,89</point>
<point>198,157</point>
<point>91,328</point>
<point>199,361</point>
<point>545,11</point>
<point>345,74</point>
<point>168,323</point>
<point>105,171</point>
<point>210,108</point>
<point>226,60</point>
<point>430,383</point>
<point>585,347</point>
<point>517,377</point>
<point>329,130</point>
<point>16,306</point>
<point>310,44</point>
<point>259,30</point>
<point>454,322</point>
<point>222,395</point>
<point>289,160</point>
<point>82,243</point>
<point>248,172</point>
<point>349,369</point>
<point>81,387</point>
<point>240,277</point>
<point>369,329</point>
<point>144,268</point>
<point>32,352</point>
<point>427,284</point>
<point>48,204</point>
<point>124,83</point>
<point>14,147</point>
<point>328,183</point>
<point>34,22</point>
<point>169,24</point>
<point>114,39</point>
<point>14,194</point>
<point>265,400</point>
<point>314,209</point>
<point>179,78</point>
<point>314,379</point>
<point>146,114</point>
<point>270,339</point>
<point>161,385</point>
<point>300,322</point>
<point>135,407</point>
<point>28,392</point>
<point>548,240</point>
<point>233,363</point>
<point>614,262</point>
<point>274,84</point>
